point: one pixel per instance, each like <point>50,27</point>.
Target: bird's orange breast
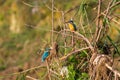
<point>71,27</point>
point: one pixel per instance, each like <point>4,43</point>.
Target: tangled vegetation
<point>89,53</point>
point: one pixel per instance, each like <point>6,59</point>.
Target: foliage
<point>26,28</point>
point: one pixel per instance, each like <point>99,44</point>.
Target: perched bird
<point>72,28</point>
<point>46,54</point>
<point>71,25</point>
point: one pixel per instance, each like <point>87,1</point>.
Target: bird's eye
<point>71,22</point>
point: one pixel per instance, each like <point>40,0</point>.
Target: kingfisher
<point>46,54</point>
<point>72,25</point>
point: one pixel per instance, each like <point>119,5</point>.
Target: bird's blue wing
<point>45,55</point>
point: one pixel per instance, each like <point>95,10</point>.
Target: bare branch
<point>17,73</point>
<point>69,54</point>
<point>31,78</point>
<point>99,27</point>
<point>112,19</point>
<point>113,70</point>
<point>48,69</point>
<point>86,40</point>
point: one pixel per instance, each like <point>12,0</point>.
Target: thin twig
<point>101,25</point>
<point>17,73</point>
<point>27,4</point>
<point>99,33</point>
<point>54,8</point>
<point>82,24</point>
<point>86,40</point>
<point>98,22</point>
<point>31,78</point>
<point>52,21</point>
<point>63,19</point>
<point>115,76</point>
<point>72,9</point>
<point>72,39</point>
<point>48,70</point>
<point>54,72</point>
<point>88,23</point>
<point>117,3</point>
<point>108,8</point>
<point>69,54</point>
<point>113,70</point>
<point>82,62</point>
<point>112,19</point>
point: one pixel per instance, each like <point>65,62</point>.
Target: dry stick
<point>48,70</point>
<point>69,54</point>
<point>117,3</point>
<point>117,16</point>
<point>72,9</point>
<point>82,25</point>
<point>52,37</point>
<point>98,21</point>
<point>54,72</point>
<point>86,40</point>
<point>82,62</point>
<point>47,6</point>
<point>106,11</point>
<point>90,46</point>
<point>101,26</point>
<point>113,70</point>
<point>72,39</point>
<point>51,30</point>
<point>99,32</point>
<point>27,4</point>
<point>112,19</point>
<point>63,19</point>
<point>17,73</point>
<point>88,24</point>
<point>31,78</point>
<point>115,76</point>
<point>108,8</point>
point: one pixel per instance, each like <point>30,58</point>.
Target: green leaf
<point>85,75</point>
<point>83,53</point>
<point>116,49</point>
<point>21,77</point>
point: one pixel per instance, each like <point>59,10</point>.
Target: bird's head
<point>48,49</point>
<point>70,21</point>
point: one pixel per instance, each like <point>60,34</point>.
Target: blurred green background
<point>25,28</point>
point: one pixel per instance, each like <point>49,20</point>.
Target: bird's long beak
<point>67,22</point>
